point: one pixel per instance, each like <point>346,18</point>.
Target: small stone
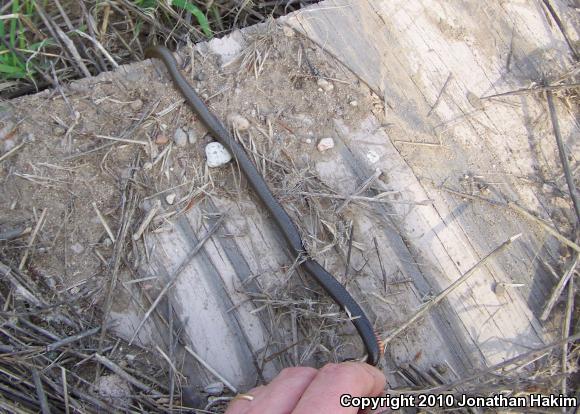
<point>215,388</point>
<point>353,103</point>
<point>217,155</point>
<point>499,289</point>
<point>115,389</point>
<point>372,156</point>
<point>136,104</point>
<point>170,198</point>
<point>239,122</point>
<point>288,32</point>
<point>108,242</point>
<point>77,248</point>
<point>200,76</point>
<point>58,130</point>
<point>325,85</point>
<point>325,144</point>
<point>191,136</point>
<point>161,139</point>
<point>180,137</point>
<point>147,166</point>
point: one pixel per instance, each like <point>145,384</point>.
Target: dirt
<point>274,83</point>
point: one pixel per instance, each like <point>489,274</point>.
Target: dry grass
<point>44,43</point>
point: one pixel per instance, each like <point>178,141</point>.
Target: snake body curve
<point>336,291</point>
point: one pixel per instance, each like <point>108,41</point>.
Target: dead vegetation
<point>54,340</point>
<point>47,43</point>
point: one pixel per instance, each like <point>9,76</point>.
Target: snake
<point>289,230</point>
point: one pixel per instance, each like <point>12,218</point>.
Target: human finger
<point>333,380</point>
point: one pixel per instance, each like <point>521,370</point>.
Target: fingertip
<point>378,379</point>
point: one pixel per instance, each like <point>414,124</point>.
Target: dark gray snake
<point>336,291</point>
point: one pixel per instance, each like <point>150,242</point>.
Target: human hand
<point>304,390</point>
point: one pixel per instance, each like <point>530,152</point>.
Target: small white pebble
<point>308,141</point>
<point>325,144</point>
<point>372,156</point>
<point>77,248</point>
<point>324,84</point>
<point>288,32</point>
<point>108,242</point>
<point>239,122</point>
<point>217,155</point>
<point>353,103</point>
<point>170,198</point>
<point>147,166</point>
<point>180,137</point>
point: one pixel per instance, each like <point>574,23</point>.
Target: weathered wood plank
<point>405,51</point>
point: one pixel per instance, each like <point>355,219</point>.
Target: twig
<point>211,370</point>
<point>441,92</point>
<point>100,47</point>
<point>166,358</point>
<point>150,215</point>
<point>70,339</point>
<point>65,390</point>
<point>419,144</point>
<point>515,207</point>
<point>32,238</point>
<point>348,255</point>
<point>68,44</point>
<point>566,332</point>
<point>40,394</point>
<point>12,151</point>
<point>376,199</point>
<point>525,91</point>
<point>557,291</point>
<point>368,182</point>
<point>424,309</point>
<point>126,376</point>
<point>561,27</point>
<point>15,233</point>
<point>129,200</point>
<point>128,141</point>
<point>6,272</point>
<point>545,225</point>
<point>493,368</point>
<point>104,222</point>
<point>175,275</point>
<point>384,273</point>
<point>563,156</point>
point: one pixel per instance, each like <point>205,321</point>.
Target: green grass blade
<point>193,9</point>
<point>15,71</point>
